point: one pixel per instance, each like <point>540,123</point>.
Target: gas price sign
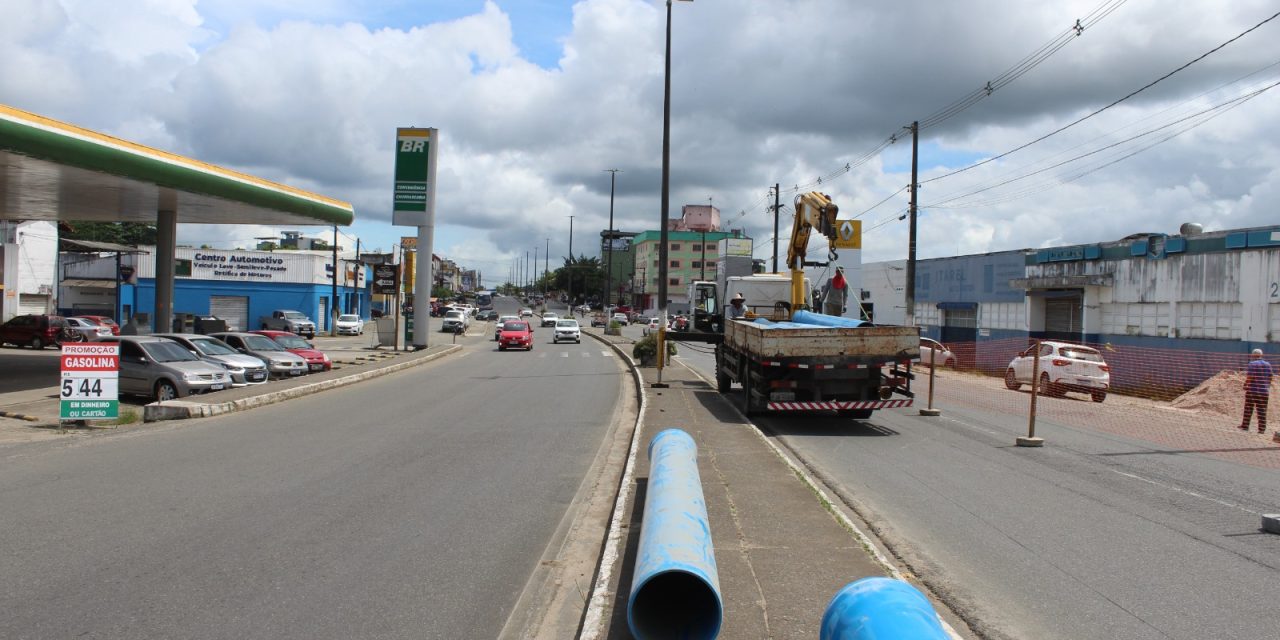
<point>90,377</point>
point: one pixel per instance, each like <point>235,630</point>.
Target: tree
<point>582,275</point>
<point>130,233</point>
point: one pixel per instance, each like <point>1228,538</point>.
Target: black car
<point>487,315</point>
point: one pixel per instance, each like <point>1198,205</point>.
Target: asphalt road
<point>415,505</point>
<point>1093,536</point>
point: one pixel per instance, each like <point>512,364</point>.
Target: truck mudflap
<point>838,405</point>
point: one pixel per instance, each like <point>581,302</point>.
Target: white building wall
<point>885,282</point>
<point>37,257</point>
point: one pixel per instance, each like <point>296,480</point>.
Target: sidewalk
<point>781,554</point>
<point>32,415</point>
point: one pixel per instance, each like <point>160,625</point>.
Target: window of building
<point>696,264</point>
<point>695,247</point>
<point>711,264</point>
<point>675,246</point>
<point>655,263</point>
<point>675,264</point>
<point>675,282</point>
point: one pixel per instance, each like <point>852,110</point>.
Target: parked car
<point>106,322</point>
<point>620,318</point>
<point>349,324</point>
<point>497,327</point>
<point>244,369</point>
<point>597,320</point>
<point>159,368</point>
<point>280,362</point>
<point>652,326</point>
<point>549,319</point>
<point>939,353</point>
<point>516,334</point>
<point>567,330</point>
<point>1063,367</point>
<point>317,360</point>
<point>455,321</point>
<point>85,329</point>
<point>35,331</point>
<point>287,320</point>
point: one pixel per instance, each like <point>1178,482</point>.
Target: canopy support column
<point>166,249</point>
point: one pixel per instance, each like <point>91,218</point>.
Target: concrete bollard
<point>880,609</point>
<point>675,592</point>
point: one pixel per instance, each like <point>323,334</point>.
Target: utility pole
<point>569,265</point>
<point>533,275</point>
<point>710,209</point>
<point>911,234</point>
<point>333,300</point>
<point>359,282</point>
<point>608,270</point>
<point>546,266</point>
<point>777,207</point>
<point>525,277</point>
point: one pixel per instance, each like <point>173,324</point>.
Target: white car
<point>934,351</point>
<point>349,324</point>
<point>455,321</point>
<point>567,330</point>
<point>652,326</point>
<point>549,319</point>
<point>620,318</point>
<point>526,312</point>
<point>1063,367</point>
<point>497,325</point>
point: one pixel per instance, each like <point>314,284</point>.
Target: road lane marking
<point>1190,493</point>
<point>564,354</point>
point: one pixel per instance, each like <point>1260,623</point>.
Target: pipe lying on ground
<point>880,609</point>
<point>676,591</point>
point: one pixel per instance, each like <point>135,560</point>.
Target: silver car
<point>280,363</point>
<point>243,368</point>
<point>160,368</point>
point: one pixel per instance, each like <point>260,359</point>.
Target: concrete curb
<point>18,416</point>
<point>183,410</point>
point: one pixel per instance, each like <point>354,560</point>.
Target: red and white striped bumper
<point>838,406</point>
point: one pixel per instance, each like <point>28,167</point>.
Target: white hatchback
<point>1063,367</point>
<point>567,330</point>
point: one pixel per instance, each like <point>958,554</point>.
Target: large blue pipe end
<point>881,609</point>
<point>675,592</point>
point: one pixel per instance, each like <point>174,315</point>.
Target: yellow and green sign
<point>415,153</point>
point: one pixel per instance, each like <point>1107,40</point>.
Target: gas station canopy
<point>50,170</point>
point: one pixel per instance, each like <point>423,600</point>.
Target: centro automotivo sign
<point>90,381</point>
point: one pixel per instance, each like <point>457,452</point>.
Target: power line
<point>1086,117</point>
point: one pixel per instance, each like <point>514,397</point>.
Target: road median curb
<point>185,409</point>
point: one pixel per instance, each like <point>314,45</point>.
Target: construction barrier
<point>880,609</point>
<point>676,591</point>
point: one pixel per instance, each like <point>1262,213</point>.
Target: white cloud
<point>763,93</point>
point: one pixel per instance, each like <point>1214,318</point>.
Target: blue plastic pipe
<point>824,320</point>
<point>676,591</point>
<point>880,609</point>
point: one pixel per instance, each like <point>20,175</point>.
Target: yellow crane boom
<point>813,210</point>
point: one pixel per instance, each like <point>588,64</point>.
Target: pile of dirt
<point>1222,394</point>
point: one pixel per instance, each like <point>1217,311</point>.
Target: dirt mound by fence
<point>1222,394</point>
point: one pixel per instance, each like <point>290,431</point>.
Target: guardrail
<point>880,609</point>
<point>676,590</point>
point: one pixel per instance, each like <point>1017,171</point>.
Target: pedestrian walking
<point>1257,387</point>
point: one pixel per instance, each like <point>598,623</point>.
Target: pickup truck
<point>291,321</point>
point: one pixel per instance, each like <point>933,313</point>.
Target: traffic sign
<point>90,381</point>
<point>386,279</point>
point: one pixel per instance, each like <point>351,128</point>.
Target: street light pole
<point>569,265</point>
<point>665,204</point>
<point>608,269</point>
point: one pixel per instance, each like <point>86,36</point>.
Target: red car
<point>316,359</point>
<point>516,334</point>
<point>106,322</point>
<point>35,331</point>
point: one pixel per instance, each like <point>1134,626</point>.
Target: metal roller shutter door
<point>233,309</point>
<point>33,304</point>
<point>1063,315</point>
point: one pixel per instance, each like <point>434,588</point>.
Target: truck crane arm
<point>813,210</point>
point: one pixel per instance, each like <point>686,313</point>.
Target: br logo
<point>413,146</point>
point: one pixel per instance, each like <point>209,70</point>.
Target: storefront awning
<point>90,284</point>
